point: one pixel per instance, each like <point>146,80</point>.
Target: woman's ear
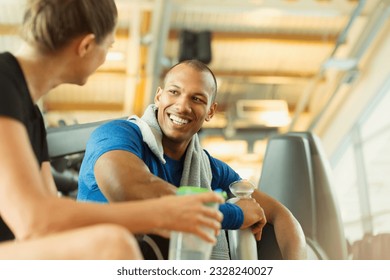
<point>86,44</point>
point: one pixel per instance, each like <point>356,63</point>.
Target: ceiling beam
<point>123,33</point>
<point>244,75</point>
<point>87,106</point>
<point>249,74</point>
<point>253,75</point>
<point>9,29</point>
<point>267,36</point>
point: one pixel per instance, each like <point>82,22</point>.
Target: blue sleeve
<point>114,135</point>
<point>233,217</point>
<point>223,176</point>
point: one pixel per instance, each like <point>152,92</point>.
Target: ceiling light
<point>269,113</point>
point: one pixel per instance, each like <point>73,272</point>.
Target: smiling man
<point>151,156</point>
<point>185,102</point>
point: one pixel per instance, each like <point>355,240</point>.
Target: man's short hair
<point>200,67</point>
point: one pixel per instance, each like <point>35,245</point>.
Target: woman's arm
<point>21,183</point>
<point>48,178</point>
<point>30,210</point>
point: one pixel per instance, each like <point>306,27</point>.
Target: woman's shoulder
<point>8,64</point>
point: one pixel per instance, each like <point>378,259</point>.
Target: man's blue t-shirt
<point>125,135</point>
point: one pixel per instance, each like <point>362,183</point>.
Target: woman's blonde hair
<point>51,24</point>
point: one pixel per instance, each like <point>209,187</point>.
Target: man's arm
<point>122,176</point>
<point>288,231</point>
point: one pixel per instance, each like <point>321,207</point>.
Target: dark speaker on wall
<point>193,45</point>
<point>204,47</point>
<point>187,45</point>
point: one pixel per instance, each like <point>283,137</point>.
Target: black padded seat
<point>296,172</point>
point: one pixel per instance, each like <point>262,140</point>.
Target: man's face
<point>184,103</point>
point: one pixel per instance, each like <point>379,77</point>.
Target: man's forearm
<point>121,176</point>
<point>290,237</point>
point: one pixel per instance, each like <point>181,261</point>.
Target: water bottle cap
<point>190,190</point>
<point>183,190</point>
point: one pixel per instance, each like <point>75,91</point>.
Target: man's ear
<point>86,44</point>
<point>157,96</point>
<point>212,110</point>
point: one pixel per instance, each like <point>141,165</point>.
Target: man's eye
<point>199,100</point>
<point>173,91</point>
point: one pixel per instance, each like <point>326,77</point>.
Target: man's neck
<point>174,150</point>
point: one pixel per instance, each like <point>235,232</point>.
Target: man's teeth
<point>178,120</point>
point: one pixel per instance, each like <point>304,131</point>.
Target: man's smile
<point>177,120</point>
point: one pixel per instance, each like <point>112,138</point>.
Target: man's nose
<point>183,104</point>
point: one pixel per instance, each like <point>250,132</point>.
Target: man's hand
<point>254,216</point>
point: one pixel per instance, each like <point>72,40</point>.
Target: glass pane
<point>376,139</point>
<point>347,192</point>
